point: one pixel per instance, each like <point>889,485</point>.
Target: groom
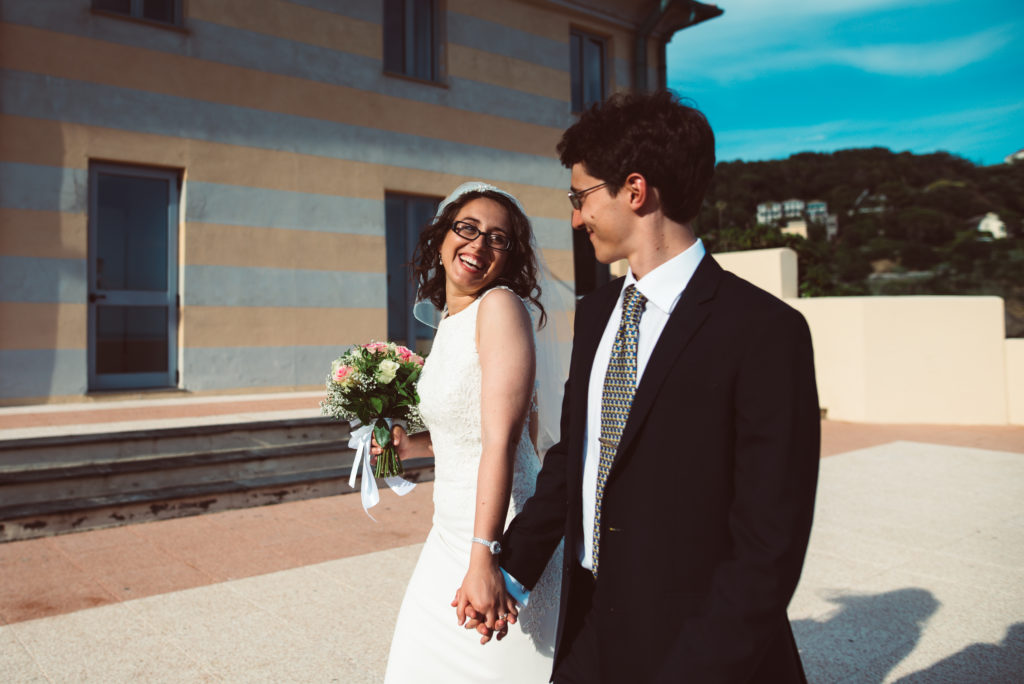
<point>684,480</point>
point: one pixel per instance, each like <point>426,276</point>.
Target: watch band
<point>493,546</point>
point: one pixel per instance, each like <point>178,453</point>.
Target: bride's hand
<point>482,603</point>
<point>398,438</point>
<point>476,623</point>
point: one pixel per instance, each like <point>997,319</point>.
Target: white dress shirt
<point>662,287</point>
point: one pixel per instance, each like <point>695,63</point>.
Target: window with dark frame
<point>159,11</point>
<point>587,66</point>
<point>411,38</point>
<point>404,218</point>
<point>590,273</point>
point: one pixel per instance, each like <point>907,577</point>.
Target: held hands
<point>482,603</point>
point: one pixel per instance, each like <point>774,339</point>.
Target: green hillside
<point>907,223</point>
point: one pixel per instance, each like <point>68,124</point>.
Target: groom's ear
<point>643,198</point>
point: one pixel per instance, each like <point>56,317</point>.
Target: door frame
<point>169,298</point>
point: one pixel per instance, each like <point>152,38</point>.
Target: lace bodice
<point>450,389</point>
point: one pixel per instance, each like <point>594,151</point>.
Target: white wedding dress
<point>428,644</point>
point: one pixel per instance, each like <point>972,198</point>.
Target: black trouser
<point>580,663</point>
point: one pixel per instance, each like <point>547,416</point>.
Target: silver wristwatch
<point>493,546</point>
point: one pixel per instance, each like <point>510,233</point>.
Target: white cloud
<point>951,131</point>
<point>762,38</point>
<point>925,59</point>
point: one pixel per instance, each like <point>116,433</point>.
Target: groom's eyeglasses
<point>576,196</point>
<point>495,239</point>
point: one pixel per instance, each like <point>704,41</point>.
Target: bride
<point>476,261</point>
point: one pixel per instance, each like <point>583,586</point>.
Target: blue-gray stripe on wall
<point>260,207</point>
<point>32,95</point>
<point>553,233</point>
<point>271,54</point>
<point>489,36</point>
<point>43,188</point>
<point>42,372</point>
<point>52,188</point>
<point>246,206</point>
<point>215,368</point>
<point>258,286</point>
<point>363,10</point>
<point>35,279</point>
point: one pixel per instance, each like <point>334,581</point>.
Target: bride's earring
<point>440,261</point>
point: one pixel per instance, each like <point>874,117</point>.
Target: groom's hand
<point>475,617</point>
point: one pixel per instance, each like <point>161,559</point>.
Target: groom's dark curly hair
<point>520,274</point>
<point>654,134</point>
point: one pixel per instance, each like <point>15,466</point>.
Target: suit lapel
<point>689,315</point>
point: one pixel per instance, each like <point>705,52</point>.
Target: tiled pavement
<point>915,571</point>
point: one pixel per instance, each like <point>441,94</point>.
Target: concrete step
<point>110,446</point>
<point>51,485</point>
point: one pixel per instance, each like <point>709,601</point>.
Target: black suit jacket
<point>707,509</point>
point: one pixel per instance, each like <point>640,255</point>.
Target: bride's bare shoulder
<point>502,307</point>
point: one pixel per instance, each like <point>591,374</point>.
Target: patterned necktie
<point>617,397</point>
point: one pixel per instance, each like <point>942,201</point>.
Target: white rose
<point>386,372</point>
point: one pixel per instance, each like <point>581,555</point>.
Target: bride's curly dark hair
<point>520,274</point>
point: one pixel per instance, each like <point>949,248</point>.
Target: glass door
<point>405,216</point>
<point>133,277</point>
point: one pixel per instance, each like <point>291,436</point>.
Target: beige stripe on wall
<point>43,325</point>
<point>293,21</point>
<point>257,326</point>
<point>45,234</point>
<point>220,245</point>
<point>488,67</point>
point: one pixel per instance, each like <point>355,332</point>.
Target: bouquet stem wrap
<point>360,439</point>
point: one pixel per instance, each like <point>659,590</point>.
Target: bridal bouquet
<point>373,385</point>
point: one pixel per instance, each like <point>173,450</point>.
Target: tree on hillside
<point>898,212</point>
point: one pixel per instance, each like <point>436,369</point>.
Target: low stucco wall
<point>915,359</point>
<point>773,270</point>
<point>1015,380</point>
<point>910,359</point>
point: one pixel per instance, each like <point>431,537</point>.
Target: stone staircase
<point>55,484</point>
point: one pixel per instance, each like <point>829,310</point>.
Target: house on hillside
<point>793,216</point>
<point>991,224</point>
<point>869,203</point>
<point>793,208</point>
<point>769,213</point>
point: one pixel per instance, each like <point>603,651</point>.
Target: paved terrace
<point>915,571</point>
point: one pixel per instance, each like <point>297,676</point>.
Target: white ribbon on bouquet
<point>360,439</point>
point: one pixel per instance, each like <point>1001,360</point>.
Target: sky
<point>777,78</point>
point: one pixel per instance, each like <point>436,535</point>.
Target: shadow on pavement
<point>867,638</point>
<point>989,663</point>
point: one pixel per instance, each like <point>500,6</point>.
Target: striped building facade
<point>220,195</point>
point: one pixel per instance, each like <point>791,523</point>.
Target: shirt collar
<point>665,284</point>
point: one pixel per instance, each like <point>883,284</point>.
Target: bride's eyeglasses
<point>494,239</point>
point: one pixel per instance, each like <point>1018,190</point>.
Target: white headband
<point>475,186</point>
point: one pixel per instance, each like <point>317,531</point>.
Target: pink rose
<point>343,374</point>
<point>376,347</point>
<point>417,359</point>
<point>404,354</point>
